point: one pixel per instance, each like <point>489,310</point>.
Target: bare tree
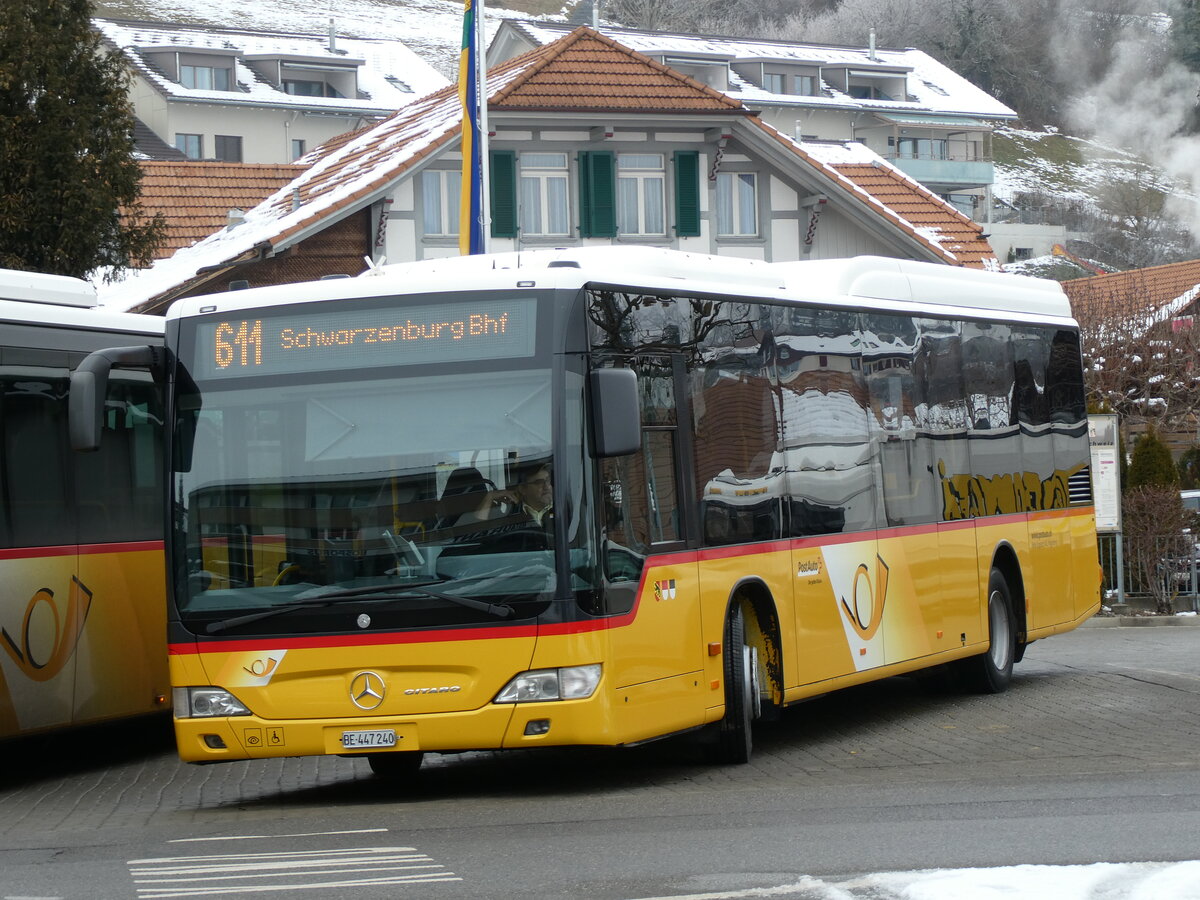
<point>1158,547</point>
<point>1139,361</point>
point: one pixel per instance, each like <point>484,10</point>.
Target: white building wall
<point>1034,240</point>
<point>837,237</point>
<point>266,133</point>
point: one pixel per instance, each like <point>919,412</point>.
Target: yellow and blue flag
<point>470,224</point>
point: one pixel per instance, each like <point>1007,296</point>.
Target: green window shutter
<point>687,193</point>
<point>503,196</point>
<point>597,194</point>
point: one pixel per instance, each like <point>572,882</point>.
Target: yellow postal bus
<point>598,497</point>
<point>82,606</point>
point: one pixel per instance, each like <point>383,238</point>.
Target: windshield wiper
<point>376,594</point>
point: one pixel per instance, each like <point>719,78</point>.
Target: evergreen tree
<point>69,183</point>
<point>1189,468</point>
<point>1151,463</point>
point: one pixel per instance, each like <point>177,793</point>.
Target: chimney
<point>871,54</point>
<point>332,37</point>
<point>235,218</point>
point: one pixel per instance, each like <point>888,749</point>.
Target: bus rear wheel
<point>735,738</point>
<point>397,765</point>
<point>991,673</point>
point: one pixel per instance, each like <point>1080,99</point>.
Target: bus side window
<point>34,411</point>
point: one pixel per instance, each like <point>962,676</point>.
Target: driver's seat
<point>458,495</point>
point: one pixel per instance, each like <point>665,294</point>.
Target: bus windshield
<point>412,501</point>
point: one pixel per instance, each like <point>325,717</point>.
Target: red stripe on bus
<point>79,549</point>
<point>583,626</point>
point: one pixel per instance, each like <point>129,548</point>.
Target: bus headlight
<point>570,683</point>
<point>206,702</point>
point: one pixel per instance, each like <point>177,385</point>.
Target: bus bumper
<point>496,726</point>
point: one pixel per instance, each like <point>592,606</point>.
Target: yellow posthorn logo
<point>43,663</point>
<point>854,609</point>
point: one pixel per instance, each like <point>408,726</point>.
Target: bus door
<point>656,654</point>
<point>40,622</point>
<point>833,507</point>
<point>120,575</point>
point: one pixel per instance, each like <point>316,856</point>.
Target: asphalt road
<point>1093,755</point>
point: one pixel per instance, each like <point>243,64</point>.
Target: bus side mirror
<point>616,414</point>
<point>89,388</point>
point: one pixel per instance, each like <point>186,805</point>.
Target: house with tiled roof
<point>591,143</point>
<point>1140,330</point>
<point>258,97</point>
<point>912,110</point>
<point>1154,294</point>
<point>197,199</point>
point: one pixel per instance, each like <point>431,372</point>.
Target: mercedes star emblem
<point>367,690</point>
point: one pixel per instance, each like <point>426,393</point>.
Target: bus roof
<point>863,281</point>
<point>37,287</point>
<point>34,298</point>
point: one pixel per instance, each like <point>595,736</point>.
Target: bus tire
<point>991,672</point>
<point>735,739</point>
<point>397,765</point>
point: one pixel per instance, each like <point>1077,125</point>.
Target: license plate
<point>384,737</point>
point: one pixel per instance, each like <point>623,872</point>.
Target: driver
<point>532,499</point>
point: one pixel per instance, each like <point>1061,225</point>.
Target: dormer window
<point>196,68</point>
<point>302,76</point>
<point>782,77</point>
<point>205,78</point>
<point>806,85</point>
<point>300,88</point>
<point>869,84</point>
<point>712,72</point>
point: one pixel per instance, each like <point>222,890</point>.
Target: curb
<point>1139,621</point>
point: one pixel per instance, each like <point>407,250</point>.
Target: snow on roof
<point>364,165</point>
<point>389,74</point>
<point>931,86</point>
<point>372,156</point>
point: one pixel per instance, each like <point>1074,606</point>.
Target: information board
<point>1106,471</point>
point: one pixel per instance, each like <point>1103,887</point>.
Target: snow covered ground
<point>1101,881</point>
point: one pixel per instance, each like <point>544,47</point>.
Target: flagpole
<point>485,200</point>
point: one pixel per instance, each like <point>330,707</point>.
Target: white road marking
<point>261,837</point>
<point>288,870</point>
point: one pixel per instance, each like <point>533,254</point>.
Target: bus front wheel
<point>735,739</point>
<point>991,673</point>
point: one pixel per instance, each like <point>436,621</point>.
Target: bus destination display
<point>351,339</point>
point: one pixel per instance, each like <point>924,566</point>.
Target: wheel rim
<point>1001,631</point>
<point>750,683</point>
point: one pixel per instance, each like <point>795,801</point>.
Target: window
<point>192,145</point>
<point>298,148</point>
<point>545,209</point>
<point>641,194</point>
<point>306,88</point>
<point>921,148</point>
<point>204,78</point>
<point>440,200</point>
<point>737,204</point>
<point>773,82</point>
<point>805,85</point>
<point>867,92</point>
<point>229,147</point>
